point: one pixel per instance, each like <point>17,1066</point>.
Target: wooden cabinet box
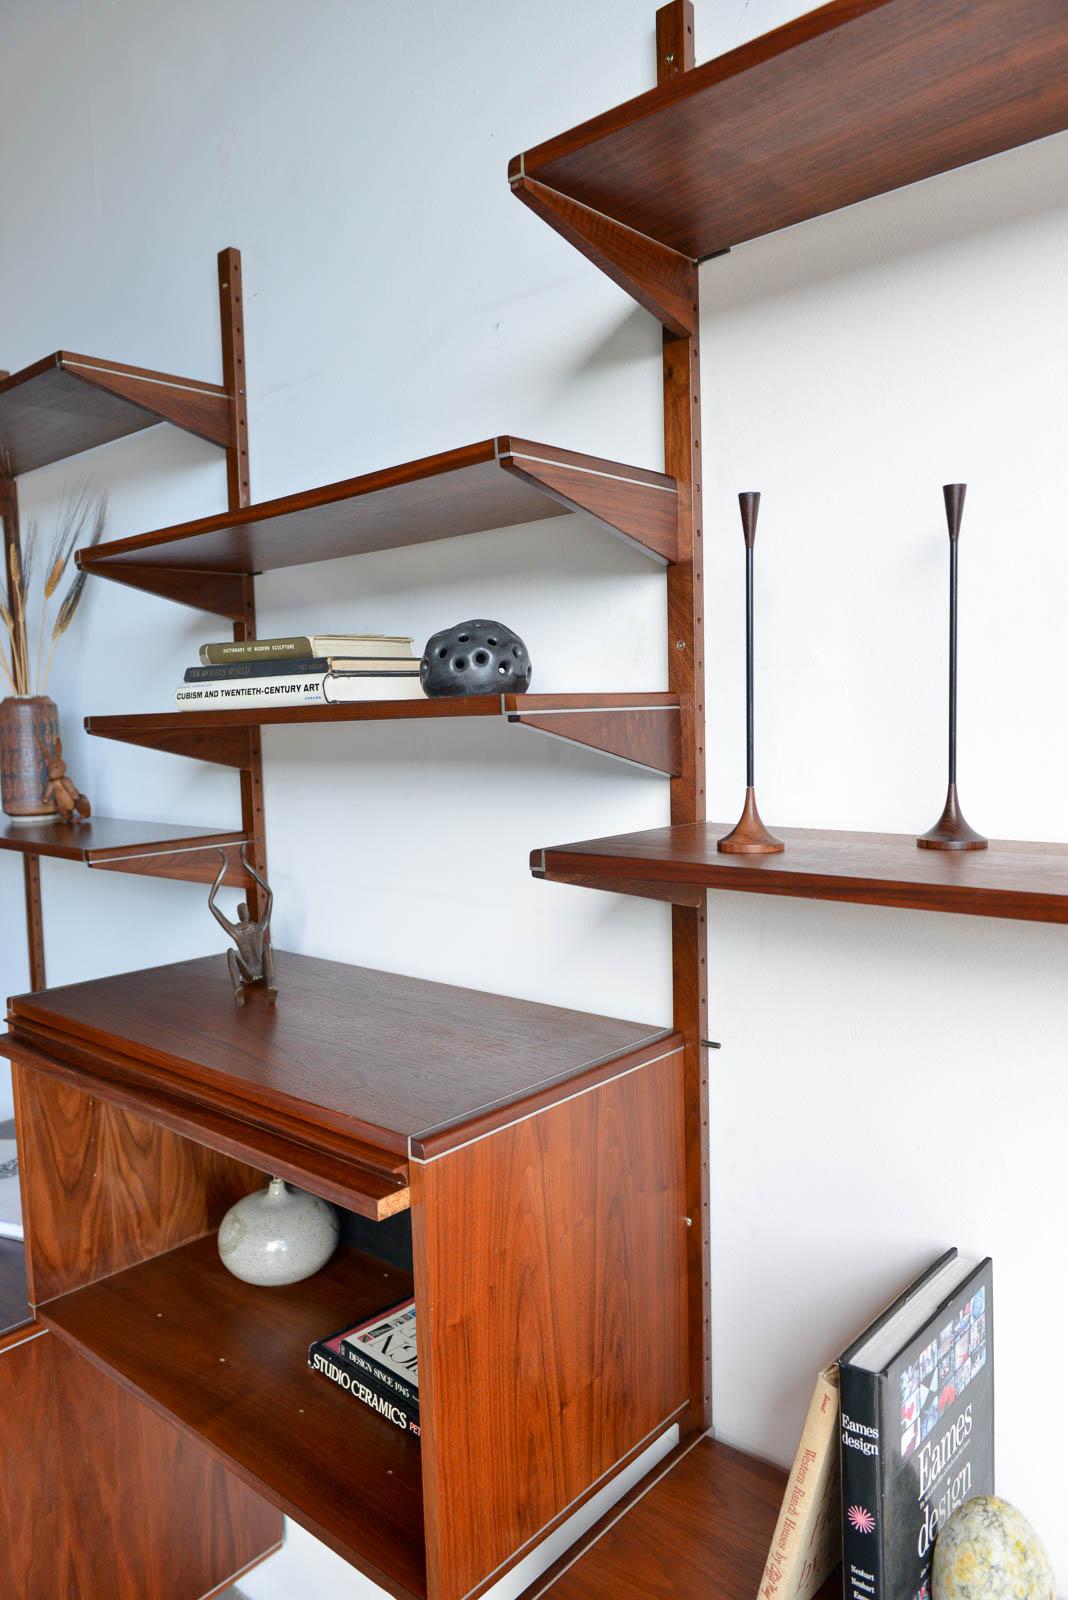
<point>541,1154</point>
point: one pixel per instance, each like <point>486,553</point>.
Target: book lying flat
<point>284,667</point>
<point>298,689</point>
<point>323,1361</point>
<point>305,647</point>
<point>385,1347</point>
<point>917,1434</point>
<point>377,1363</point>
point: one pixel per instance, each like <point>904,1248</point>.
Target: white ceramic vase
<point>277,1235</point>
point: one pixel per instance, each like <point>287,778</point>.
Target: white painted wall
<point>889,1082</point>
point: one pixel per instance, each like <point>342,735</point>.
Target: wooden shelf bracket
<point>199,408</point>
<point>645,736</point>
<point>659,278</point>
<point>220,593</point>
<point>645,514</point>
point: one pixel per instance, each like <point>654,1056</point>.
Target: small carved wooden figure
<point>251,962</point>
<point>60,789</point>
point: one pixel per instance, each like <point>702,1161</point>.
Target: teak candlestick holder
<point>749,837</point>
<point>951,831</point>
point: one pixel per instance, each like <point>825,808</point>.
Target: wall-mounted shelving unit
<point>551,1166</point>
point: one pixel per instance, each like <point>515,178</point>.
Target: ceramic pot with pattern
<point>29,728</point>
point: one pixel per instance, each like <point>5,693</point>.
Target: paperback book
<point>807,1543</point>
<point>284,666</point>
<point>917,1428</point>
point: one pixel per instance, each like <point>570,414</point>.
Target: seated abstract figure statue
<point>251,962</point>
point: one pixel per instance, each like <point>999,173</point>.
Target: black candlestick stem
<point>749,837</point>
<point>951,831</point>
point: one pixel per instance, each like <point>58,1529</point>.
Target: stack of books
<point>376,1363</point>
<point>315,669</point>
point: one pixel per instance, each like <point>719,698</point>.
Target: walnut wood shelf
<point>69,403</point>
<point>852,100</point>
<point>640,728</point>
<point>121,846</point>
<point>496,483</point>
<point>228,1363</point>
<point>1013,878</point>
<point>703,1526</point>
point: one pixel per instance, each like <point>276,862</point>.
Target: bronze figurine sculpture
<point>251,962</point>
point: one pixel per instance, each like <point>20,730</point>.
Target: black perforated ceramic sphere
<point>475,658</point>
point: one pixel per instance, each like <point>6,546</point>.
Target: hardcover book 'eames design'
<point>917,1427</point>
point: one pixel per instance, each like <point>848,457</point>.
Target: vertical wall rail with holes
<point>665,282</point>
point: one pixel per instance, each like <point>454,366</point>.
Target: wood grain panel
<point>638,726</point>
<point>467,490</point>
<point>557,1336</point>
<point>101,840</point>
<point>700,1526</point>
<point>68,403</point>
<point>334,1056</point>
<point>681,378</point>
<point>365,1181</point>
<point>104,1188</point>
<point>201,409</point>
<point>648,737</point>
<point>853,99</point>
<point>102,1500</point>
<point>640,508</point>
<point>1014,878</point>
<point>659,278</point>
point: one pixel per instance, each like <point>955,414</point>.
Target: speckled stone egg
<point>989,1551</point>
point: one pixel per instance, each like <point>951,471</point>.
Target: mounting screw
<point>711,1044</point>
<point>669,58</point>
<point>680,644</point>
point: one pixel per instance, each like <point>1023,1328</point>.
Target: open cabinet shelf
<point>1013,878</point>
<point>638,727</point>
<point>68,403</point>
<point>228,1362</point>
<point>851,100</point>
<point>496,483</point>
